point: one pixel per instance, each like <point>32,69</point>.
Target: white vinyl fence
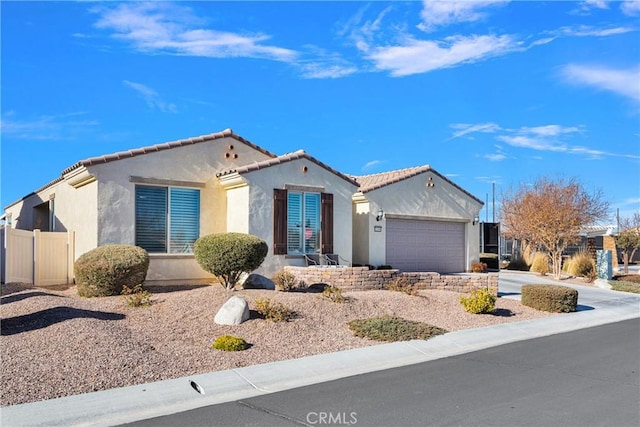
<point>41,258</point>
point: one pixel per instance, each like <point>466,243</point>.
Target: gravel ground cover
<point>54,343</point>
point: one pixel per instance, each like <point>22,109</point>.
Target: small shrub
<point>581,265</point>
<point>479,301</point>
<point>540,264</point>
<point>136,296</point>
<point>285,281</point>
<point>401,284</point>
<point>228,255</point>
<point>105,270</point>
<point>230,343</point>
<point>478,267</point>
<point>273,311</point>
<point>518,264</point>
<point>334,294</point>
<point>388,328</point>
<point>552,298</point>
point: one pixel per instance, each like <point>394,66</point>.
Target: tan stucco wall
<point>261,185</point>
<point>75,210</point>
<point>414,198</point>
<point>114,215</point>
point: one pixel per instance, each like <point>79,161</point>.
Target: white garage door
<point>425,245</point>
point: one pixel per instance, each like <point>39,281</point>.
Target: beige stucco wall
<point>75,210</point>
<point>196,163</point>
<point>238,209</point>
<point>261,185</point>
<point>412,197</point>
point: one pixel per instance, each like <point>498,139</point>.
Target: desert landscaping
<point>55,343</point>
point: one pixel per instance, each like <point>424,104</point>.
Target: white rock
<point>233,312</point>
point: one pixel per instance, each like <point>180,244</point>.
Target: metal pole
<point>486,209</point>
<point>494,202</point>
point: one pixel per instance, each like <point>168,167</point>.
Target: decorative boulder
<point>256,281</point>
<point>233,312</point>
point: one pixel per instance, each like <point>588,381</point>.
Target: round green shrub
<point>106,270</point>
<point>230,343</point>
<point>228,255</point>
<point>552,298</point>
<point>479,301</point>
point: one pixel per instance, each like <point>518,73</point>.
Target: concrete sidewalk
<point>122,405</point>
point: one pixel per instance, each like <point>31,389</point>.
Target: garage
<point>417,245</point>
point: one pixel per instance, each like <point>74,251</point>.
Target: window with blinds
<point>303,222</point>
<point>167,219</point>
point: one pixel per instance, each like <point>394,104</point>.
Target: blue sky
<point>483,91</point>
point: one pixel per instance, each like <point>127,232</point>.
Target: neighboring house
<point>165,196</point>
<point>415,219</point>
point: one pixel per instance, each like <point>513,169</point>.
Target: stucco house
<point>163,197</point>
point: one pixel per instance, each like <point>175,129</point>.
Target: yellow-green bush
<point>479,301</point>
<point>285,281</point>
<point>136,296</point>
<point>556,299</point>
<point>392,328</point>
<point>273,311</point>
<point>105,270</point>
<point>230,343</point>
<point>333,293</point>
<point>540,263</point>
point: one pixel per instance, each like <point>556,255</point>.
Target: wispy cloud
<point>151,97</point>
<point>463,129</point>
<point>48,127</point>
<point>370,165</point>
<point>324,64</point>
<point>630,7</point>
<point>174,29</point>
<point>589,31</point>
<point>414,56</point>
<point>619,81</point>
<point>437,13</point>
<point>550,138</point>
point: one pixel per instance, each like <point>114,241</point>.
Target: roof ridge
<point>426,166</point>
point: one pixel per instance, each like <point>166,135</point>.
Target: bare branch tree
<point>550,214</point>
<point>628,238</point>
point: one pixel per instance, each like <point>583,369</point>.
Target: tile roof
<point>379,180</point>
<point>300,154</point>
<point>164,146</point>
<point>146,150</point>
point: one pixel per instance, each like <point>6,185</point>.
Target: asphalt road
<point>584,378</point>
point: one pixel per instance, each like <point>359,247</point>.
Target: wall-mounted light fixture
<point>430,182</point>
<point>476,220</point>
<point>380,215</point>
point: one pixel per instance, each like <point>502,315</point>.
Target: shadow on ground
<point>503,312</point>
<point>44,318</point>
<point>19,297</point>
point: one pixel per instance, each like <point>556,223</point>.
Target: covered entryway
<point>421,245</point>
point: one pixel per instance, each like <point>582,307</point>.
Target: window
<point>303,222</point>
<point>167,219</point>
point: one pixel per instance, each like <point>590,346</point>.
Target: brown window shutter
<point>327,223</point>
<point>279,222</point>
